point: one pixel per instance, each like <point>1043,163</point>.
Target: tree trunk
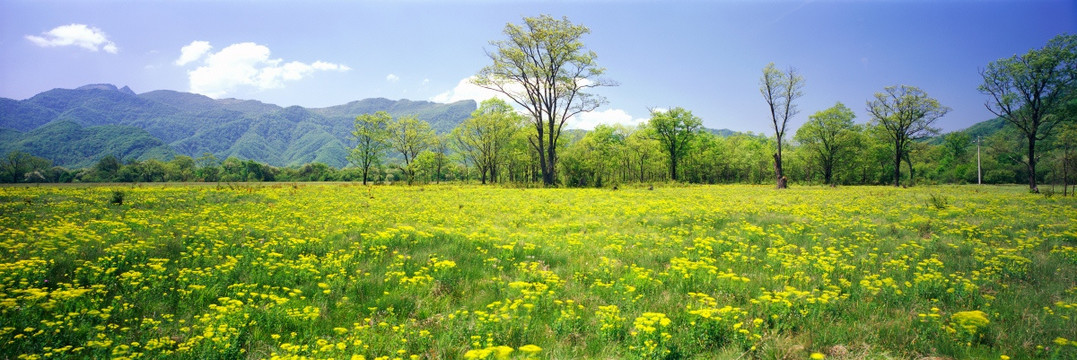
<point>908,161</point>
<point>1032,164</point>
<point>828,173</point>
<point>673,168</point>
<point>897,163</point>
<point>778,171</point>
<point>1065,171</point>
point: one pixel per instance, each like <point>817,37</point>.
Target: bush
<point>117,198</point>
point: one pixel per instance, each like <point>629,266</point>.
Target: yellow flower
<point>530,349</point>
<point>817,356</point>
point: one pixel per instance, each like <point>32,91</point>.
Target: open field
<point>441,272</point>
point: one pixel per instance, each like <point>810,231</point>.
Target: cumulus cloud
<point>589,120</point>
<point>465,90</point>
<point>392,78</point>
<point>86,37</point>
<point>322,65</point>
<point>193,52</point>
<point>243,65</point>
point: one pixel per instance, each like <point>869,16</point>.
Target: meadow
<point>444,272</point>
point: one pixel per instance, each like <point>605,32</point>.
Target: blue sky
<point>705,56</point>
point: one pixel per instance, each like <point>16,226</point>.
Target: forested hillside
<point>77,127</point>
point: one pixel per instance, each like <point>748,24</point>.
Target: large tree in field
<point>545,68</point>
<point>674,129</point>
<point>484,138</point>
<point>780,90</point>
<point>409,136</point>
<point>371,133</point>
<point>1028,91</point>
<point>828,135</point>
<point>905,113</point>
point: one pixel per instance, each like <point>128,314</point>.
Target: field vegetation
<point>443,272</point>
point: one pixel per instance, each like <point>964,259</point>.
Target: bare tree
<point>544,68</point>
<point>780,90</point>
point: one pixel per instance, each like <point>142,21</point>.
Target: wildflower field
<point>444,272</point>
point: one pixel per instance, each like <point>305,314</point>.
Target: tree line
<point>544,69</point>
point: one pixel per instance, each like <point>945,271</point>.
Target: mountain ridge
<point>165,123</point>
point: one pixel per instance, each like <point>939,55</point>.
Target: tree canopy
<point>545,68</point>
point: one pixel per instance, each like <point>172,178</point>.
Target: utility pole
<point>979,173</point>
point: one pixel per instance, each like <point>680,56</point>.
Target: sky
<point>704,56</point>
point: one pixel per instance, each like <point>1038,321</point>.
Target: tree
<point>409,136</point>
<point>545,68</point>
<point>440,148</point>
<point>484,137</point>
<point>780,90</point>
<point>1028,91</point>
<point>371,133</point>
<point>17,164</point>
<point>643,147</point>
<point>107,168</point>
<point>953,162</point>
<point>905,113</point>
<point>674,128</point>
<point>208,168</point>
<point>1067,138</point>
<point>180,168</point>
<point>827,135</point>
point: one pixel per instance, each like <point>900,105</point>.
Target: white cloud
<point>246,65</point>
<point>589,120</point>
<point>322,65</point>
<point>86,37</point>
<point>465,90</point>
<point>193,52</point>
<point>392,78</point>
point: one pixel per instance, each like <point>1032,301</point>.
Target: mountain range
<point>76,127</point>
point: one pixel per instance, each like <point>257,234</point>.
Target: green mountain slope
<point>191,124</point>
<point>71,145</point>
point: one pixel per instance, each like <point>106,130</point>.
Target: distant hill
<point>981,129</point>
<point>76,127</point>
<point>724,132</point>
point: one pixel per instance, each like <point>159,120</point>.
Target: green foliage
<point>116,198</point>
<point>674,129</point>
<point>544,67</point>
<point>904,113</point>
<point>409,136</point>
<point>72,145</point>
<point>371,140</point>
<point>830,136</point>
<point>485,138</point>
<point>1030,91</point>
<point>18,166</point>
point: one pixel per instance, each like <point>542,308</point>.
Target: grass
<point>441,272</point>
